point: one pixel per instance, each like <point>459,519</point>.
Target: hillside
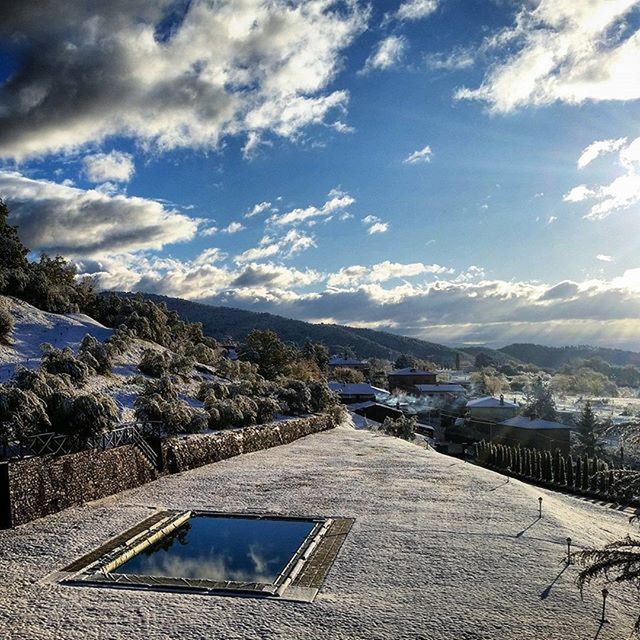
<point>226,322</point>
<point>555,357</point>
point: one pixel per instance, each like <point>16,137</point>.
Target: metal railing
<point>56,444</point>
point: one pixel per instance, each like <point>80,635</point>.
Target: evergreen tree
<point>570,476</point>
<point>589,432</point>
<point>539,401</point>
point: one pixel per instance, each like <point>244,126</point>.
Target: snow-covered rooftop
<point>439,549</point>
<point>489,402</point>
<point>440,388</point>
<point>524,422</point>
<point>356,389</point>
<point>410,371</point>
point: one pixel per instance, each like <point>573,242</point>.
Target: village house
<point>441,391</point>
<point>336,362</point>
<point>351,392</point>
<point>491,409</point>
<point>407,379</point>
<point>533,433</point>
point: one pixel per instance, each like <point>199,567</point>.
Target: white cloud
<point>620,194</point>
<point>552,219</point>
<point>115,165</point>
<point>210,230</point>
<point>78,222</point>
<point>338,201</point>
<point>416,9</point>
<point>387,54</point>
<point>378,227</point>
<point>100,69</point>
<point>287,246</point>
<point>604,258</point>
<point>212,254</point>
<point>382,272</point>
<point>474,310</point>
<point>233,227</point>
<point>422,155</point>
<point>570,52</point>
<point>258,208</point>
<point>598,148</point>
<point>375,224</point>
<point>452,61</point>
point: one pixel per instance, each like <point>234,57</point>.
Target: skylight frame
<point>99,572</point>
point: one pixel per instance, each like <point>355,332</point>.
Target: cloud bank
<point>150,71</point>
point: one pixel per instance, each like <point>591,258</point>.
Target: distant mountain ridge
<point>555,357</point>
<point>228,322</point>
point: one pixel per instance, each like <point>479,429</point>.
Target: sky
<point>462,171</point>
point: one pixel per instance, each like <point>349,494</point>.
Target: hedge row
<point>579,474</point>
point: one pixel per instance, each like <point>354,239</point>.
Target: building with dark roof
<point>533,433</point>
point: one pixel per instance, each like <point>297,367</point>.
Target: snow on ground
<point>34,327</point>
<point>440,549</point>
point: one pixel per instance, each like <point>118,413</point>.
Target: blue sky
<point>466,172</point>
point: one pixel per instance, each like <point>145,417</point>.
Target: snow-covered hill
<point>34,327</point>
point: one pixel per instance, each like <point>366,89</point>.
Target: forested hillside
<point>227,322</point>
<point>556,357</point>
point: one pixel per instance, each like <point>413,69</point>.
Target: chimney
<point>501,399</point>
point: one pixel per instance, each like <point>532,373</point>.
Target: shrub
<point>267,408</point>
<point>86,415</point>
<point>203,353</point>
<point>321,396</point>
<point>158,363</point>
<point>42,383</point>
<point>231,412</point>
<point>63,361</point>
<point>217,390</point>
<point>272,356</point>
<point>96,354</point>
<point>120,340</point>
<point>159,402</point>
<point>6,323</point>
<point>403,427</point>
<point>294,397</point>
<point>22,414</point>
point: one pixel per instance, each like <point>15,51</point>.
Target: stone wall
<point>189,452</point>
<point>36,487</point>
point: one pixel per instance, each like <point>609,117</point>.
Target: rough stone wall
<point>40,486</point>
<point>190,452</point>
<point>35,487</point>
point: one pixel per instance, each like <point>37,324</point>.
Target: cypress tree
<point>585,474</point>
<point>593,479</point>
<point>561,477</point>
<point>603,477</point>
<point>612,479</point>
<point>570,472</point>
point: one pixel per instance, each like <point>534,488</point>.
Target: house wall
<point>551,439</point>
<point>495,414</point>
<point>409,381</point>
